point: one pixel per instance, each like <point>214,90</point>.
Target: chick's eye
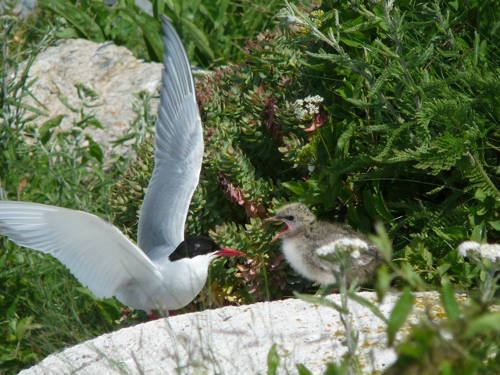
<point>290,217</point>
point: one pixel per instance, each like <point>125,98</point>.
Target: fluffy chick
<point>303,235</point>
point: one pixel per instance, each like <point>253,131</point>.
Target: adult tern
<point>163,271</point>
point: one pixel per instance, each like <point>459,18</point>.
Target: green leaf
<point>369,204</point>
<point>80,20</point>
<point>9,357</point>
<point>68,33</point>
<point>151,30</point>
<point>64,100</point>
<point>412,277</point>
<point>94,149</point>
<point>446,368</point>
<point>484,325</point>
<point>454,4</point>
<point>427,256</point>
<point>343,142</point>
<point>334,369</point>
<point>442,269</point>
<point>478,232</point>
<point>399,314</point>
<point>86,292</point>
<point>273,361</point>
<point>457,232</point>
<point>158,7</point>
<point>26,324</point>
<point>450,304</point>
<point>480,195</point>
<point>381,208</point>
<point>382,241</point>
<point>45,132</point>
<point>93,121</point>
<point>303,369</point>
<point>198,37</point>
<point>350,42</point>
<point>368,304</point>
<point>383,281</point>
<point>28,107</point>
<point>321,301</point>
<point>296,187</point>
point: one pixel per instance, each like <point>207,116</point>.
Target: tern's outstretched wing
<point>96,252</point>
<point>178,155</point>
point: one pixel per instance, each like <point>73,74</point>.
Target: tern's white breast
<point>182,281</point>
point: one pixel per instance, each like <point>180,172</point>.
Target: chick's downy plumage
<point>303,235</point>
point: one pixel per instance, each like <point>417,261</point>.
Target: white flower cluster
<point>286,16</point>
<point>353,245</point>
<point>486,251</point>
<point>306,108</point>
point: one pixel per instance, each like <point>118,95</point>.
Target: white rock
<point>112,71</point>
<point>236,340</point>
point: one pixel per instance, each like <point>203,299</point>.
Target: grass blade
<point>401,310</point>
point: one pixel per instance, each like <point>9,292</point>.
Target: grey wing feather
<point>178,154</point>
<point>96,252</point>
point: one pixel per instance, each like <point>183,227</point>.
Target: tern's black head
<point>194,246</point>
<point>199,245</point>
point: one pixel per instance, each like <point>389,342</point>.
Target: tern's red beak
<point>229,252</point>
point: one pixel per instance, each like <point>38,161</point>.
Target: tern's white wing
<point>96,252</point>
<point>178,155</point>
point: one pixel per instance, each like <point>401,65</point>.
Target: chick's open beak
<point>269,219</point>
<point>283,231</point>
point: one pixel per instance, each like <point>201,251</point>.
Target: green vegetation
<point>213,32</point>
<point>365,111</point>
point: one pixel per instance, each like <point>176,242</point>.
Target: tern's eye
<point>290,218</point>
